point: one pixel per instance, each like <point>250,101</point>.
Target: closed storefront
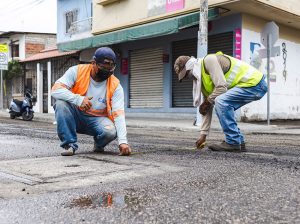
<point>182,92</point>
<point>146,78</point>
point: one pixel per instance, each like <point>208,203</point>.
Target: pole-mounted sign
<point>3,66</point>
<point>3,56</point>
<point>268,38</point>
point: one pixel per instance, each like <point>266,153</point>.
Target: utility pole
<point>268,74</point>
<point>202,41</point>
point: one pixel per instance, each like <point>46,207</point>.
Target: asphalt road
<point>164,181</point>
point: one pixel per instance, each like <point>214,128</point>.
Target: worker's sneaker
<point>224,146</point>
<point>98,149</point>
<point>68,152</point>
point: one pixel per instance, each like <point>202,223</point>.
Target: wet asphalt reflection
<point>109,200</point>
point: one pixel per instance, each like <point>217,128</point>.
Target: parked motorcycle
<point>22,108</point>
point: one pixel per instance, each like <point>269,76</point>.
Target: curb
<point>182,125</point>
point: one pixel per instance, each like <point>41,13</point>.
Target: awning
<point>48,53</point>
<point>149,30</point>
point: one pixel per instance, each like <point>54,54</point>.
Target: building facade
<point>43,69</point>
<point>148,40</point>
<point>22,45</point>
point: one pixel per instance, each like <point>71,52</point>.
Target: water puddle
<point>107,200</point>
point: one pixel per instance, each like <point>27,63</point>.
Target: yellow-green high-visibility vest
<point>240,74</point>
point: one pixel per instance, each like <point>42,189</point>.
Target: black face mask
<point>103,74</point>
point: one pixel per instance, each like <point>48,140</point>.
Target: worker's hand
<point>86,103</point>
<point>125,150</point>
<point>201,142</point>
<point>204,107</point>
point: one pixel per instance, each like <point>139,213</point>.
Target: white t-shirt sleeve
<point>118,107</point>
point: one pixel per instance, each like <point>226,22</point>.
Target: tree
<point>14,70</point>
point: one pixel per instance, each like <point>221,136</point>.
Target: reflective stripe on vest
<point>82,84</point>
<point>240,74</point>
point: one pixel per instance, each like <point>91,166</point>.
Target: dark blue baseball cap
<point>104,53</point>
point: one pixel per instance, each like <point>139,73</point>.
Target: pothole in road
<point>109,200</point>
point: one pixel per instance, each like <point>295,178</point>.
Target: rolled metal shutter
<point>221,42</point>
<point>146,78</point>
<point>182,93</point>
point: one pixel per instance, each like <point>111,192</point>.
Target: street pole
<point>269,35</point>
<point>202,33</point>
<point>202,41</point>
<point>1,91</point>
<point>268,76</point>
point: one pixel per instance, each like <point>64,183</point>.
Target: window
<point>15,50</point>
<point>17,86</point>
<point>28,85</point>
<point>71,17</point>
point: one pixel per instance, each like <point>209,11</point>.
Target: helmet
<point>104,53</point>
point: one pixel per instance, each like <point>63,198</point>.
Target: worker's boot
<point>243,147</point>
<point>224,146</point>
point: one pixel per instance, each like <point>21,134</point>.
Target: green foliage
<point>14,70</point>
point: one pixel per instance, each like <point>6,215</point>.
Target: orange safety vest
<point>82,84</point>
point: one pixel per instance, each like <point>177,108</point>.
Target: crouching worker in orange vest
<point>90,100</point>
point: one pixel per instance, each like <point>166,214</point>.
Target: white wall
<point>16,37</point>
<point>84,12</point>
<point>50,108</point>
<point>39,98</point>
<point>121,14</point>
<point>284,94</point>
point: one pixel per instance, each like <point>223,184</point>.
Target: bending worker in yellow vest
<point>90,100</point>
<point>227,84</point>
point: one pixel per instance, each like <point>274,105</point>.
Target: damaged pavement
<point>164,181</point>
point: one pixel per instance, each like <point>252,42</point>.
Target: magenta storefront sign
<point>173,5</point>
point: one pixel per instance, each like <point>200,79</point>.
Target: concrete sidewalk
<point>173,121</point>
